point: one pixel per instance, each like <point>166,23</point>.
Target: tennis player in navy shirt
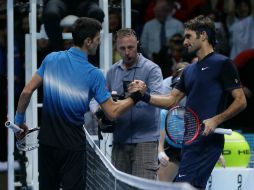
<point>69,83</point>
<point>206,84</point>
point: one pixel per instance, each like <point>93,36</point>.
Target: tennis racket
<point>29,141</point>
<point>183,125</point>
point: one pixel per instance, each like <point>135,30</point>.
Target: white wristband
<point>161,155</point>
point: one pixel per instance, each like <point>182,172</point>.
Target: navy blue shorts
<point>198,160</point>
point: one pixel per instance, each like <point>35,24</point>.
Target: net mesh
<point>102,175</point>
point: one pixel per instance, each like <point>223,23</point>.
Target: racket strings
<point>29,142</point>
<point>175,126</point>
<point>191,126</point>
<point>181,125</point>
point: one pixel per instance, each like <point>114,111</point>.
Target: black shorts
<point>172,152</point>
<point>61,168</point>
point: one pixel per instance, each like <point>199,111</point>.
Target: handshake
<point>136,85</point>
<point>137,91</point>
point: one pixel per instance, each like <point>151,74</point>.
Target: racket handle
<point>12,126</point>
<point>223,131</point>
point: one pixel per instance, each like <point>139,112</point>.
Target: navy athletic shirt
<point>206,84</point>
<point>69,83</point>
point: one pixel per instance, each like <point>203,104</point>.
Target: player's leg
<point>198,160</point>
<point>73,170</point>
<point>191,157</point>
<point>48,168</point>
<point>210,158</point>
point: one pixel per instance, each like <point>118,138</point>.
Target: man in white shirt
<point>150,38</point>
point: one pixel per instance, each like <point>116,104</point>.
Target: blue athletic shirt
<point>207,84</point>
<point>69,83</point>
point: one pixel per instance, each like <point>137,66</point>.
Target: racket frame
<point>13,127</point>
<point>197,125</point>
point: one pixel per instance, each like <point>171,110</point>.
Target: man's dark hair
<point>202,24</point>
<point>83,28</point>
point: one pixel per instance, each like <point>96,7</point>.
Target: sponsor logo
<point>204,68</point>
<point>181,175</point>
<point>239,152</point>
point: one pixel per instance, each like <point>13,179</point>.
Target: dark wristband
<point>146,98</point>
<point>136,96</point>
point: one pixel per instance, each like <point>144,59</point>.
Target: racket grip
<point>12,126</point>
<point>223,131</point>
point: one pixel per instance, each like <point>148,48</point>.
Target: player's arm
<point>239,103</point>
<point>230,80</point>
<point>163,101</point>
<point>167,101</point>
<point>114,109</point>
<point>23,102</point>
<point>27,92</point>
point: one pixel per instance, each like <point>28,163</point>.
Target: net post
<point>10,71</point>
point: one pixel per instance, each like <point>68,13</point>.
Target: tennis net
<point>102,175</point>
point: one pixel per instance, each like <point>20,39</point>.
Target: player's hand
<point>21,135</point>
<point>210,125</point>
<point>163,158</point>
<point>137,85</point>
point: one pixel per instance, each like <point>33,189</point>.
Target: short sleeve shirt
<point>207,84</point>
<point>69,83</point>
